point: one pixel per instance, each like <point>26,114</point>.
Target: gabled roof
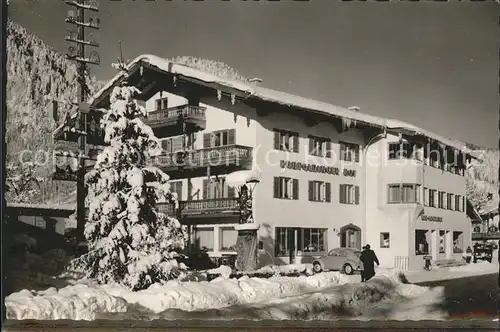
<point>252,91</point>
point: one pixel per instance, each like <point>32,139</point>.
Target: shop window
<point>384,240</point>
<point>312,240</point>
<point>442,242</point>
<point>458,242</point>
<point>421,242</point>
<point>227,239</point>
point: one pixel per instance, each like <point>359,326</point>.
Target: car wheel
<point>348,269</point>
<point>317,267</point>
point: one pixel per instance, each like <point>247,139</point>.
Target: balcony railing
<point>162,117</point>
<point>217,156</point>
<point>215,206</point>
<point>201,207</point>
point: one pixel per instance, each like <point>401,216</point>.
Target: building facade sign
<point>432,218</point>
<point>296,165</point>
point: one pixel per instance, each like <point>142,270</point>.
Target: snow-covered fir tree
<point>130,242</point>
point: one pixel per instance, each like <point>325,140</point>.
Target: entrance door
<point>350,237</point>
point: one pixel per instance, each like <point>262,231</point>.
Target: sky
<point>432,64</point>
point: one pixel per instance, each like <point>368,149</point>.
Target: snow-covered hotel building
<point>330,176</point>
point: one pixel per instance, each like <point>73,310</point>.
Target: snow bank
<point>328,295</point>
<point>76,302</point>
<point>384,297</point>
<point>290,268</point>
<point>83,302</point>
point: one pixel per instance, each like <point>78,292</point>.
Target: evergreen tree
<point>129,241</point>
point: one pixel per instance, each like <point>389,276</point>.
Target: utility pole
<point>78,55</point>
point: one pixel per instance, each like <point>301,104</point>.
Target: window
<point>384,240</point>
<point>449,198</point>
<point>418,152</point>
<point>405,150</point>
<point>442,242</point>
<point>349,194</point>
<point>441,199</point>
<point>452,202</point>
<point>313,240</point>
<point>282,243</point>
<point>286,188</point>
<point>458,242</point>
<point>403,193</point>
<point>308,240</point>
<point>219,138</point>
<point>286,140</point>
<point>421,242</point>
<point>176,187</point>
<point>320,146</point>
<point>463,204</point>
<point>172,144</point>
<point>426,196</point>
<point>319,191</point>
<point>205,238</point>
<point>432,197</point>
<point>457,202</point>
<point>227,239</point>
<point>161,104</point>
<point>349,152</point>
<point>217,188</point>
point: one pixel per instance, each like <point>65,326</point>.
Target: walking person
<point>368,258</point>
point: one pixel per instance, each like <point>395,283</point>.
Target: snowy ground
<point>328,295</point>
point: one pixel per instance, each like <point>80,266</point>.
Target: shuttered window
<point>219,138</point>
<point>214,189</point>
<point>286,188</point>
<point>286,140</point>
<point>348,194</point>
<point>320,147</point>
<point>319,191</point>
<point>172,144</point>
<point>349,152</point>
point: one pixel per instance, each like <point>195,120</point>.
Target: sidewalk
<point>448,273</point>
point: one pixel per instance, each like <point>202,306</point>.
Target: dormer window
<point>161,104</point>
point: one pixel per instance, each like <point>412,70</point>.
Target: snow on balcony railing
<point>216,156</point>
<point>159,116</point>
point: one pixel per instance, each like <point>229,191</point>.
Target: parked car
<point>339,259</point>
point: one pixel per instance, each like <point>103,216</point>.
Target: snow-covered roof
<point>279,97</point>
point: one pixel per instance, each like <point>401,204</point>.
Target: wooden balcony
<point>203,208</point>
<point>193,163</point>
<point>176,120</point>
<point>190,211</point>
